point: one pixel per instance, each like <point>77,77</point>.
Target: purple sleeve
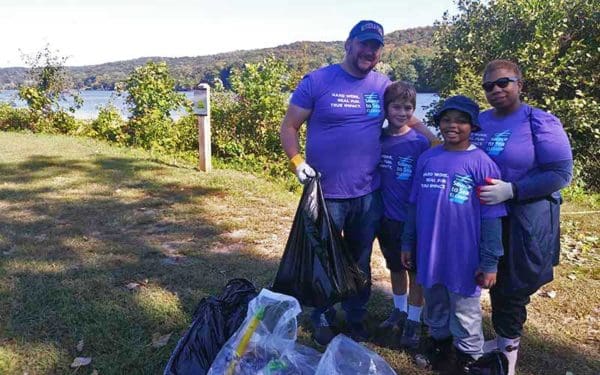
<point>302,96</point>
<point>544,180</point>
<point>549,138</point>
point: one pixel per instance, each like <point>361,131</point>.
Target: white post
<point>202,111</point>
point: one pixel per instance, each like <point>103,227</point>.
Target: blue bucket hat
<point>367,30</point>
<point>463,104</point>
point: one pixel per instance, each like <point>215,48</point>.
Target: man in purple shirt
<point>343,107</point>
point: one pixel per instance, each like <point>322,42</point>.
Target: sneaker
<point>411,335</point>
<point>323,335</point>
<point>395,321</point>
<point>492,363</point>
<point>435,354</point>
<point>325,329</point>
<point>462,363</point>
<point>358,331</point>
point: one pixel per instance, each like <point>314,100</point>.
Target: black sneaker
<point>411,335</point>
<point>323,335</point>
<point>395,321</point>
<point>358,331</point>
<point>435,354</point>
<point>461,363</point>
<point>492,363</point>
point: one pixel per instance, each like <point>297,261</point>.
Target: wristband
<point>295,161</point>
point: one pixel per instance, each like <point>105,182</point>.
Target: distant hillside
<point>407,45</point>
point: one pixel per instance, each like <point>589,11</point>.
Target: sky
<point>91,32</point>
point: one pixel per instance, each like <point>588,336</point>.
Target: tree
<point>151,99</point>
<point>47,85</point>
<point>556,44</point>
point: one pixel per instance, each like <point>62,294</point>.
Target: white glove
<point>304,172</point>
<point>497,191</point>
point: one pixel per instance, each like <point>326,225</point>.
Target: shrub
<point>14,118</point>
<point>109,125</point>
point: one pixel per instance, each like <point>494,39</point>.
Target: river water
<point>93,100</point>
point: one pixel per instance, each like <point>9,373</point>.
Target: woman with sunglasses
<point>533,153</point>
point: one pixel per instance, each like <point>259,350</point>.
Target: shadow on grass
<point>74,234</point>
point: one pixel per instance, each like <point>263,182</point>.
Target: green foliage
<point>14,118</point>
<point>186,133</point>
<point>408,63</point>
<point>63,122</point>
<point>557,45</point>
<point>151,90</point>
<point>47,85</point>
<point>246,122</point>
<point>109,125</point>
<point>152,99</point>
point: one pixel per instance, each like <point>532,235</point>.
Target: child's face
<point>455,127</point>
<point>398,113</point>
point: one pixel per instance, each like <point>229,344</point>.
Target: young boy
<point>458,239</point>
<point>401,147</point>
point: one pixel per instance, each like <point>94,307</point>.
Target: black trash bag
<point>214,321</point>
<point>316,267</point>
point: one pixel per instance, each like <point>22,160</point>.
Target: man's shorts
<point>390,242</point>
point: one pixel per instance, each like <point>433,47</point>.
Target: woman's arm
<point>544,181</point>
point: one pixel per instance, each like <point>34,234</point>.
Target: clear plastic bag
<point>345,356</point>
<point>266,342</point>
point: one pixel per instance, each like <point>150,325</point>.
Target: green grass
<point>79,220</point>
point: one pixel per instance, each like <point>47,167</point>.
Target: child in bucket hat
<point>458,239</point>
<point>463,104</point>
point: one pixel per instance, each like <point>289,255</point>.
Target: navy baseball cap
<point>367,30</point>
<point>463,104</point>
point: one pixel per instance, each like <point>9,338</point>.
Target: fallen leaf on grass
<point>80,345</point>
<point>81,361</point>
<point>158,341</point>
<point>550,294</point>
<point>572,277</point>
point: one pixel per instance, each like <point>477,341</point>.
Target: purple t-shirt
<point>344,127</point>
<point>449,216</point>
<point>399,154</point>
<point>509,140</point>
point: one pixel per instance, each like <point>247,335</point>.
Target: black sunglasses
<point>501,82</point>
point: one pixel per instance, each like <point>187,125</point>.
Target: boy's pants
<point>359,219</point>
<point>450,314</point>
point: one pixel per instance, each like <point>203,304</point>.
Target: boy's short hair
<point>502,64</point>
<point>400,90</point>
